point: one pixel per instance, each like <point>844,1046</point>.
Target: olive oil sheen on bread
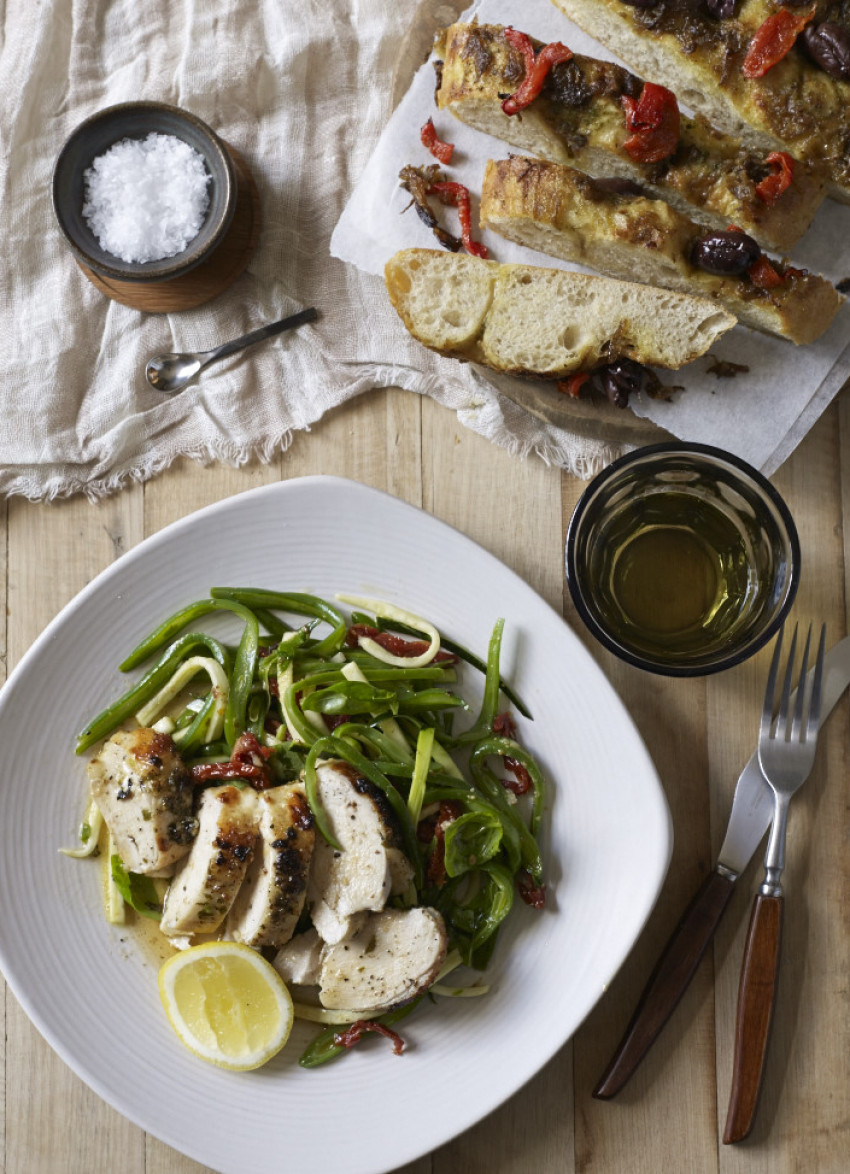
<point>673,573</point>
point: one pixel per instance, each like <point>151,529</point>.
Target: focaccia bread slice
<point>796,105</point>
<point>579,119</point>
<point>549,323</point>
<point>562,212</point>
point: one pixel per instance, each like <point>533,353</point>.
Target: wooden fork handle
<point>756,999</point>
<point>668,982</point>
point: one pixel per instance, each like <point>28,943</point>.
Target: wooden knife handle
<point>668,982</point>
<point>756,999</point>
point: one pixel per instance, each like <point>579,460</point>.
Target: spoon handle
<point>229,348</point>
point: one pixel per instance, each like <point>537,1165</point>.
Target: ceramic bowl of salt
<point>144,192</point>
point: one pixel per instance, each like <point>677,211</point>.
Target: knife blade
<point>751,815</point>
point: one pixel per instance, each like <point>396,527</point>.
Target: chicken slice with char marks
<point>271,898</point>
<point>207,880</point>
<point>395,956</point>
<point>346,884</point>
<point>145,794</point>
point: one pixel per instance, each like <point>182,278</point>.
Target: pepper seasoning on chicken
<point>145,795</point>
<point>206,882</point>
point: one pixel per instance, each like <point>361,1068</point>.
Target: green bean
<point>169,629</point>
<point>324,1048</point>
<point>110,718</point>
<point>293,601</point>
<point>490,702</point>
<point>458,650</point>
<point>506,747</point>
<point>242,677</point>
<point>192,737</point>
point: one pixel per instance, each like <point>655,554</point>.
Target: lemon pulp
<point>227,1004</point>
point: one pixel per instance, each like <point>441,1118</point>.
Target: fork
<point>786,755</point>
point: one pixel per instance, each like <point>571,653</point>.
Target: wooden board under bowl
<point>207,280</point>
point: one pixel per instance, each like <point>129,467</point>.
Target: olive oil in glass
<point>674,574</point>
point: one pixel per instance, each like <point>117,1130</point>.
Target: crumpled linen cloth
<point>302,89</point>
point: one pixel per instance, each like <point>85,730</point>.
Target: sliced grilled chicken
<point>300,960</point>
<point>358,879</point>
<point>269,903</point>
<point>144,793</point>
<point>394,957</point>
<point>207,880</point>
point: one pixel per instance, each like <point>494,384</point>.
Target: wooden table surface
<point>699,733</point>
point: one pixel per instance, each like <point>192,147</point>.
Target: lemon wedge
<point>227,1004</point>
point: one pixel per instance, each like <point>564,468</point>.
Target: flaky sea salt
<point>145,199</point>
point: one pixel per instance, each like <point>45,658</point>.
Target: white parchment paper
<point>760,415</point>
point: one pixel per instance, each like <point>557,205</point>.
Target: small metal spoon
<point>171,372</point>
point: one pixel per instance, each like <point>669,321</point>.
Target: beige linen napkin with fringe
<point>302,89</point>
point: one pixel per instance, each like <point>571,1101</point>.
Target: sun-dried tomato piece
<point>504,725</point>
<point>772,186</point>
<point>457,195</point>
<point>436,870</point>
<point>354,1034</point>
<point>653,122</point>
<point>773,40</point>
<point>573,384</point>
<point>763,274</point>
<point>397,645</point>
<point>532,893</point>
<point>247,761</point>
<point>536,69</point>
<point>433,143</point>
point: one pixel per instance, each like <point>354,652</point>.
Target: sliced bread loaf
<point>548,323</point>
<point>701,51</point>
<point>579,119</point>
<point>560,211</point>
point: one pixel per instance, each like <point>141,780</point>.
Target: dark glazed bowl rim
<point>750,473</point>
<point>77,154</point>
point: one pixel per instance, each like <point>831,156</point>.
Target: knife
<point>752,812</point>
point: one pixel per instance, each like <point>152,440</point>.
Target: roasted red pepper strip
<point>773,40</point>
<point>433,143</point>
<point>353,1035</point>
<point>456,194</point>
<point>763,275</point>
<point>653,121</point>
<point>536,69</point>
<point>772,186</point>
<point>573,384</point>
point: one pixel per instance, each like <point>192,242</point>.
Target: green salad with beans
<point>378,689</point>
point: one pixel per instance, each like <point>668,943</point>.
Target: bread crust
<point>546,323</point>
<point>562,212</point>
<point>578,119</point>
<point>795,106</point>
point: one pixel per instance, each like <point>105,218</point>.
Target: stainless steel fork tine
<point>802,692</point>
<point>770,688</point>
<point>782,715</point>
<point>814,705</point>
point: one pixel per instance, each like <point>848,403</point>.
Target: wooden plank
<point>803,1120</point>
<point>512,508</point>
<point>675,1083</point>
<point>54,1122</point>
